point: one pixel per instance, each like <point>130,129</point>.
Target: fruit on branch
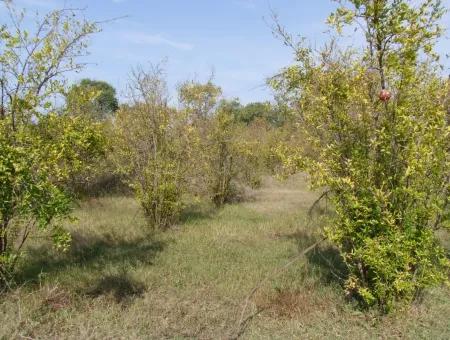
<point>384,95</point>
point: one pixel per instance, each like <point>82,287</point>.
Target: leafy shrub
<point>377,126</point>
<point>152,148</point>
<point>34,168</point>
<point>221,157</point>
<point>39,149</point>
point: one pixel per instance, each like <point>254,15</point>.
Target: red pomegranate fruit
<point>384,95</point>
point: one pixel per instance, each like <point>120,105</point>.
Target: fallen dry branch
<point>243,322</point>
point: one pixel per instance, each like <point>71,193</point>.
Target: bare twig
<point>317,201</point>
<point>275,273</point>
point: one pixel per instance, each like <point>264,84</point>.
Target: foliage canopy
<point>99,102</point>
<point>384,163</point>
<point>40,148</point>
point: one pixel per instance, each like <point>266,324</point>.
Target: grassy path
<point>190,282</point>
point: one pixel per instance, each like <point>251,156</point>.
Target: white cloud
<point>155,39</point>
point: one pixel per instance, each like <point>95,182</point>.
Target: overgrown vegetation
<point>203,220</point>
<point>94,98</point>
<point>40,148</point>
<point>191,281</point>
<point>153,147</point>
<point>378,124</point>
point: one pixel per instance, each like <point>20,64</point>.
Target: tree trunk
<point>3,236</point>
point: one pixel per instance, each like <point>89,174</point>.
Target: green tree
<point>95,101</point>
<point>376,122</point>
<point>152,147</point>
<point>232,153</point>
<point>260,110</point>
<point>198,99</point>
<point>92,97</point>
<point>221,155</point>
<point>39,148</point>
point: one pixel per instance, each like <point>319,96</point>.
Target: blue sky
<point>229,37</point>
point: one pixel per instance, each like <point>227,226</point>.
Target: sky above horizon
<point>231,38</point>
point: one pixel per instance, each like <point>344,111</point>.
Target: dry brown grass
<point>292,303</point>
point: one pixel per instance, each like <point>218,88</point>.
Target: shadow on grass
<point>92,253</point>
<point>329,261</point>
<point>324,258</point>
<point>120,286</point>
<point>197,212</point>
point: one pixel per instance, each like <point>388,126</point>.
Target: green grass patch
<point>120,281</point>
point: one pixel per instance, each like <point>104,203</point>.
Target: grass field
<point>119,281</point>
